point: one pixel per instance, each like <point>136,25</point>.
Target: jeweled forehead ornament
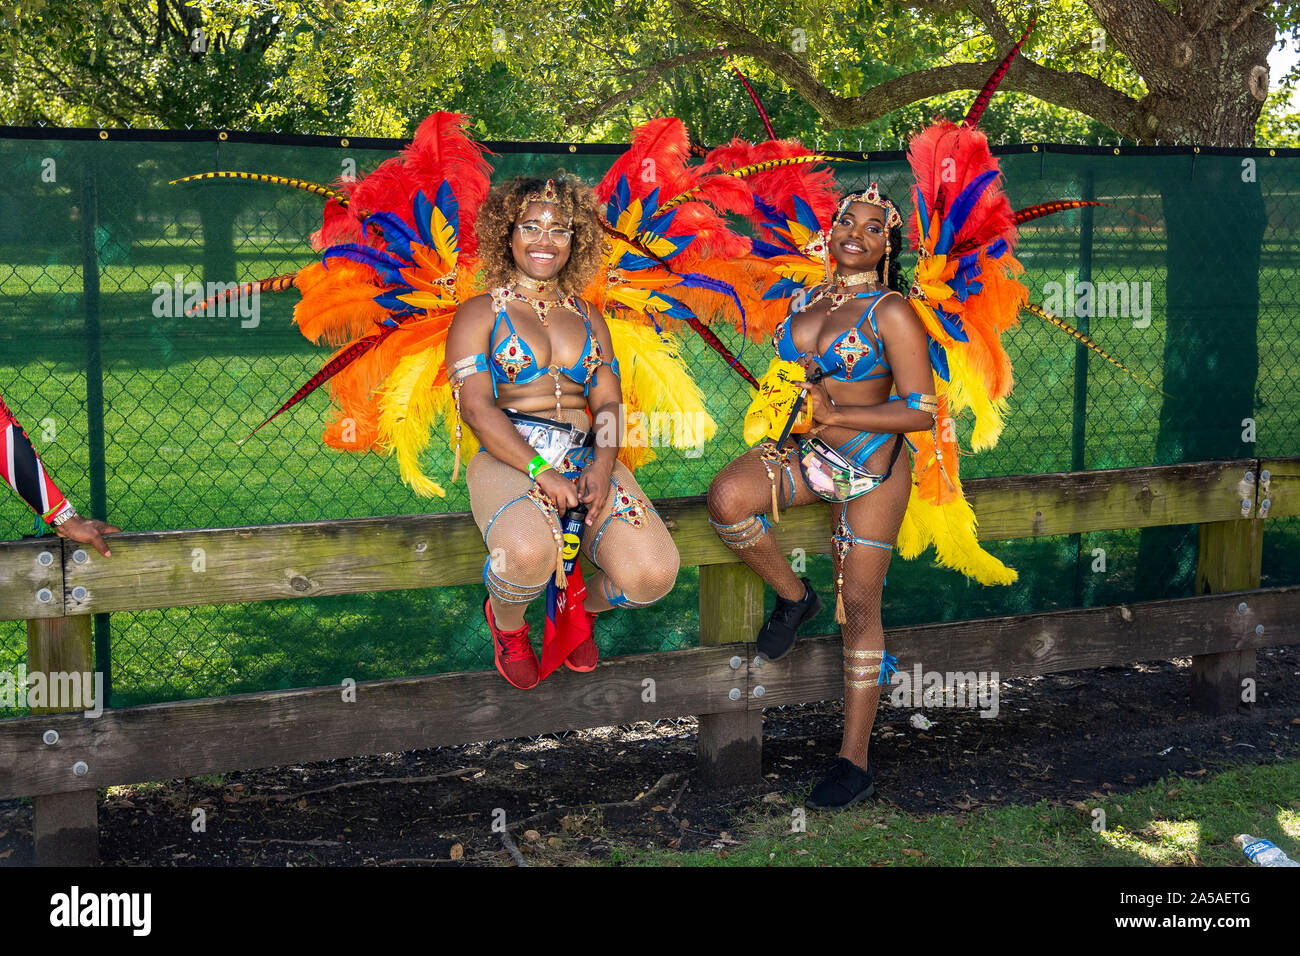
<point>549,195</point>
<point>871,196</point>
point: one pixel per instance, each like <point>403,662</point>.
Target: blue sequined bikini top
<point>851,356</point>
<point>513,360</point>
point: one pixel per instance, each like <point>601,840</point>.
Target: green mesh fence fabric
<point>1187,277</point>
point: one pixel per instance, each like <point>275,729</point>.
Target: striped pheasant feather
<point>274,284</point>
<point>755,168</point>
<point>1048,317</point>
<point>310,187</point>
<point>327,371</point>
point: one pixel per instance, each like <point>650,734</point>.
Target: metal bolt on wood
<point>1241,608</point>
<point>1264,506</point>
<point>80,768</point>
<point>45,559</point>
<point>45,595</point>
<point>79,593</point>
<point>735,663</point>
<point>80,556</point>
<point>51,737</point>
<point>734,693</point>
<point>759,690</point>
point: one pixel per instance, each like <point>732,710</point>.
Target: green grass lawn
<point>1180,821</point>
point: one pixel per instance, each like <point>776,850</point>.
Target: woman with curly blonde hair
<point>551,380</point>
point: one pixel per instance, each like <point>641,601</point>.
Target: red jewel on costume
<point>850,349</point>
<point>627,506</point>
<point>508,358</point>
<point>593,359</point>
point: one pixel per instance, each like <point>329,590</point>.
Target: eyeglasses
<point>532,233</point>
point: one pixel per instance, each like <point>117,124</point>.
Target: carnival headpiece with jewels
<point>871,196</point>
<point>549,195</point>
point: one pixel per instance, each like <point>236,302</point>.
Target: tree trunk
<point>217,212</point>
<point>1215,226</point>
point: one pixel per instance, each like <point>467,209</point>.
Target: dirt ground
<point>570,799</point>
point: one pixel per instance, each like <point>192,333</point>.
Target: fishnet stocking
<point>742,490</point>
<point>638,562</point>
<point>875,515</point>
<point>636,548</point>
<point>520,542</point>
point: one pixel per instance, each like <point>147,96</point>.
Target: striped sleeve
<point>24,471</point>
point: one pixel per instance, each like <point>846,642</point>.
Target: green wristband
<point>537,466</point>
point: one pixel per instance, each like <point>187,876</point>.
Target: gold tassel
<point>840,617</point>
<point>561,579</point>
<point>776,511</point>
<point>455,468</point>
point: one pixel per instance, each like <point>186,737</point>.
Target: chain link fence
<point>136,408</point>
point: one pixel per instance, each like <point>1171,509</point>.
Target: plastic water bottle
<point>1263,852</point>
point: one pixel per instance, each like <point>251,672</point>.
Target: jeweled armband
<point>457,372</point>
<point>456,375</point>
<point>923,403</point>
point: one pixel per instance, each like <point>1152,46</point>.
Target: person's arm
<point>470,336</point>
<point>909,359</point>
<point>22,468</point>
<point>603,398</point>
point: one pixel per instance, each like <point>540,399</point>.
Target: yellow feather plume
<point>951,529</point>
<point>408,405</point>
<point>655,382</point>
<point>967,390</point>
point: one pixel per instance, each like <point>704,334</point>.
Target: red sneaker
<point>515,659</point>
<point>583,658</point>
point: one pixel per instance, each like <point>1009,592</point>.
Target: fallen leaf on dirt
<point>911,852</point>
<point>456,852</point>
<point>772,798</point>
<point>6,854</point>
<point>302,803</point>
<point>1173,793</point>
<point>520,766</point>
<point>532,835</point>
<point>1196,773</point>
<point>554,843</point>
<point>801,852</point>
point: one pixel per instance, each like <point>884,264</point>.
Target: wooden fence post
<point>730,746</point>
<point>1230,559</point>
<point>65,826</point>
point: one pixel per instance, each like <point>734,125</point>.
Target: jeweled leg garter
<point>857,668</point>
<point>743,534</point>
<point>843,541</point>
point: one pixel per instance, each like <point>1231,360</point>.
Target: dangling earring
<point>826,260</point>
<point>884,274</point>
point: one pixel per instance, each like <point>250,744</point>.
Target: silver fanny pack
<point>832,477</point>
<point>550,439</point>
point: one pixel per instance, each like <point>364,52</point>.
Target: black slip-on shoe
<point>776,637</point>
<point>845,785</point>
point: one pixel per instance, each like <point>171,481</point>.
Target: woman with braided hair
<point>865,338</point>
<point>532,367</point>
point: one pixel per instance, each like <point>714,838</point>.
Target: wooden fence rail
<point>60,759</point>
